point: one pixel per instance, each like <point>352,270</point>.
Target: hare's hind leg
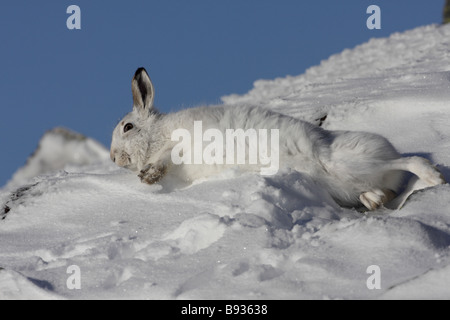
<point>374,199</point>
<point>428,174</point>
<point>421,167</point>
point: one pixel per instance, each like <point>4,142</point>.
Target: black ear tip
<point>139,71</point>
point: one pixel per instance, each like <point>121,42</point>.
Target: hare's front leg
<point>153,173</point>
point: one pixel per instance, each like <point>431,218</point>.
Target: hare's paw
<point>427,172</point>
<point>374,199</point>
<point>152,173</point>
<point>433,176</point>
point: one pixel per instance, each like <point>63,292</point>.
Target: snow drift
<point>244,236</point>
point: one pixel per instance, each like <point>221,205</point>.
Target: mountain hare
<point>356,168</point>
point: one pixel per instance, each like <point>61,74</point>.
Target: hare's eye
<point>128,127</point>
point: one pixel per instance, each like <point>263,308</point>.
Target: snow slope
<point>244,236</point>
<point>59,148</point>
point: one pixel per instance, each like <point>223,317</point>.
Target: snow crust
<point>241,235</point>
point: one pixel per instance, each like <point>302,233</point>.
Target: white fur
<point>354,167</point>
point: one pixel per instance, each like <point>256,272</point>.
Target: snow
<point>57,149</point>
<point>241,235</point>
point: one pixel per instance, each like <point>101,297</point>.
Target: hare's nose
<point>112,155</point>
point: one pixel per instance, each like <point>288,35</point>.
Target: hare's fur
<point>356,168</point>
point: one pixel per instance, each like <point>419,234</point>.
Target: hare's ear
<point>143,92</point>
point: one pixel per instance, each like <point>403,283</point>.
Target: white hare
<point>356,168</point>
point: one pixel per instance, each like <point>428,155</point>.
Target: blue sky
<point>194,50</point>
